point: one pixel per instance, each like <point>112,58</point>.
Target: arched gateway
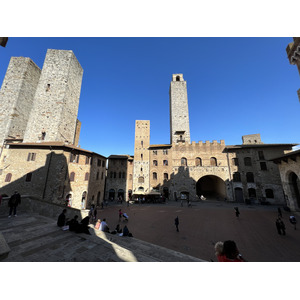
<point>294,184</point>
<point>211,187</point>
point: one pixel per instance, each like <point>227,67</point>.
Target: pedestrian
<point>120,215</point>
<point>181,203</point>
<point>189,203</point>
<point>282,226</point>
<point>95,213</point>
<point>177,223</point>
<point>293,221</point>
<point>237,212</point>
<point>103,226</point>
<point>278,226</point>
<point>279,212</point>
<point>61,221</point>
<point>228,252</point>
<point>13,202</point>
<point>91,212</point>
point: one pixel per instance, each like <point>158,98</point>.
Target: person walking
<point>278,226</point>
<point>237,212</point>
<point>120,215</point>
<point>282,226</point>
<point>177,223</point>
<point>13,202</point>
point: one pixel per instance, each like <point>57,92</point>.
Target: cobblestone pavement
<point>205,223</point>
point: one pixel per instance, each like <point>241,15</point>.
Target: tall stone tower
<point>141,182</point>
<point>179,111</point>
<point>16,97</point>
<point>54,113</point>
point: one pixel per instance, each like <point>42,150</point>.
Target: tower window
<point>8,177</point>
<point>236,176</point>
<point>213,161</point>
<point>154,176</point>
<point>183,162</point>
<point>72,176</point>
<point>177,78</point>
<point>31,156</point>
<point>165,162</point>
<point>198,161</point>
<point>155,163</point>
<point>48,87</point>
<point>166,176</point>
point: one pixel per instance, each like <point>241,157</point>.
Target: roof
<point>51,144</point>
<point>160,146</point>
<point>285,157</point>
<point>258,146</point>
<point>114,156</point>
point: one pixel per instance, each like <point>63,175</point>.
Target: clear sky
<point>236,86</point>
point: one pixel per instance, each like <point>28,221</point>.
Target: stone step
<point>37,238</point>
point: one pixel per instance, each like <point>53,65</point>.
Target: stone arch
<point>121,193</point>
<point>211,187</point>
<point>111,194</point>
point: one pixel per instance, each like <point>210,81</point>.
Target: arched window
<point>72,176</point>
<point>97,176</point>
<point>247,161</point>
<point>183,162</point>
<point>177,78</point>
<point>141,189</point>
<point>154,176</point>
<point>166,176</point>
<point>141,179</point>
<point>28,177</point>
<point>86,177</point>
<point>165,162</point>
<point>269,193</point>
<point>236,176</point>
<point>155,163</point>
<point>213,161</point>
<point>250,177</point>
<point>198,162</point>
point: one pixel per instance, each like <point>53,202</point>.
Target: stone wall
<point>57,99</point>
<point>16,97</point>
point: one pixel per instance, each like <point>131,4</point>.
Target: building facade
<point>39,133</point>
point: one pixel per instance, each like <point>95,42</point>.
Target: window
<point>198,162</point>
<point>99,162</point>
<point>263,166</point>
<point>250,177</point>
<point>141,179</point>
<point>103,163</point>
<point>261,155</point>
<point>177,78</point>
<point>28,177</point>
<point>154,176</point>
<point>141,156</point>
<point>142,143</point>
<point>155,163</point>
<point>31,156</point>
<point>101,175</point>
<point>236,176</point>
<point>77,158</point>
<point>235,161</point>
<point>74,158</point>
<point>252,193</point>
<point>155,152</point>
<point>97,176</point>
<point>87,160</point>
<point>130,162</point>
<point>269,193</point>
<point>8,177</point>
<point>165,162</point>
<point>111,174</point>
<point>86,177</point>
<point>247,161</point>
<point>183,162</point>
<point>72,176</point>
<point>120,174</point>
<point>166,176</point>
<point>115,175</point>
<point>165,152</point>
<point>213,161</point>
<point>123,174</point>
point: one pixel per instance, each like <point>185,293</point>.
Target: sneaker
<point>9,216</point>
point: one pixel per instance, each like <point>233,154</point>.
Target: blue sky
<point>236,86</point>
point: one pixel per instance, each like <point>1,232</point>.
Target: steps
<point>35,238</point>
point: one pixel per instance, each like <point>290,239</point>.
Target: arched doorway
<point>294,184</point>
<point>211,187</point>
<point>121,193</point>
<point>184,195</point>
<point>83,200</point>
<point>239,195</point>
<point>111,194</point>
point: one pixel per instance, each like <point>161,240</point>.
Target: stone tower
<point>179,111</point>
<point>141,181</point>
<point>54,113</point>
<point>16,97</point>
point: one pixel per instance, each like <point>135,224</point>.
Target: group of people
<point>103,226</point>
<point>227,251</point>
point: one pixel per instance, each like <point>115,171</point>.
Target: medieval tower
<point>141,181</point>
<point>16,97</point>
<point>54,113</point>
<point>179,111</point>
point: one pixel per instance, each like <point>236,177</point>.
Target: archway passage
<point>211,187</point>
<point>294,183</point>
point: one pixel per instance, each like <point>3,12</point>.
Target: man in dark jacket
<point>61,221</point>
<point>13,202</point>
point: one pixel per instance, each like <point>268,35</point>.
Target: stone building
<point>187,170</point>
<point>39,133</point>
<point>119,177</point>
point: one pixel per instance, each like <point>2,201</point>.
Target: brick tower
<point>16,97</point>
<point>141,181</point>
<point>179,111</point>
<point>54,113</point>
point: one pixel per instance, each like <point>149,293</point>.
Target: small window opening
<point>48,87</point>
